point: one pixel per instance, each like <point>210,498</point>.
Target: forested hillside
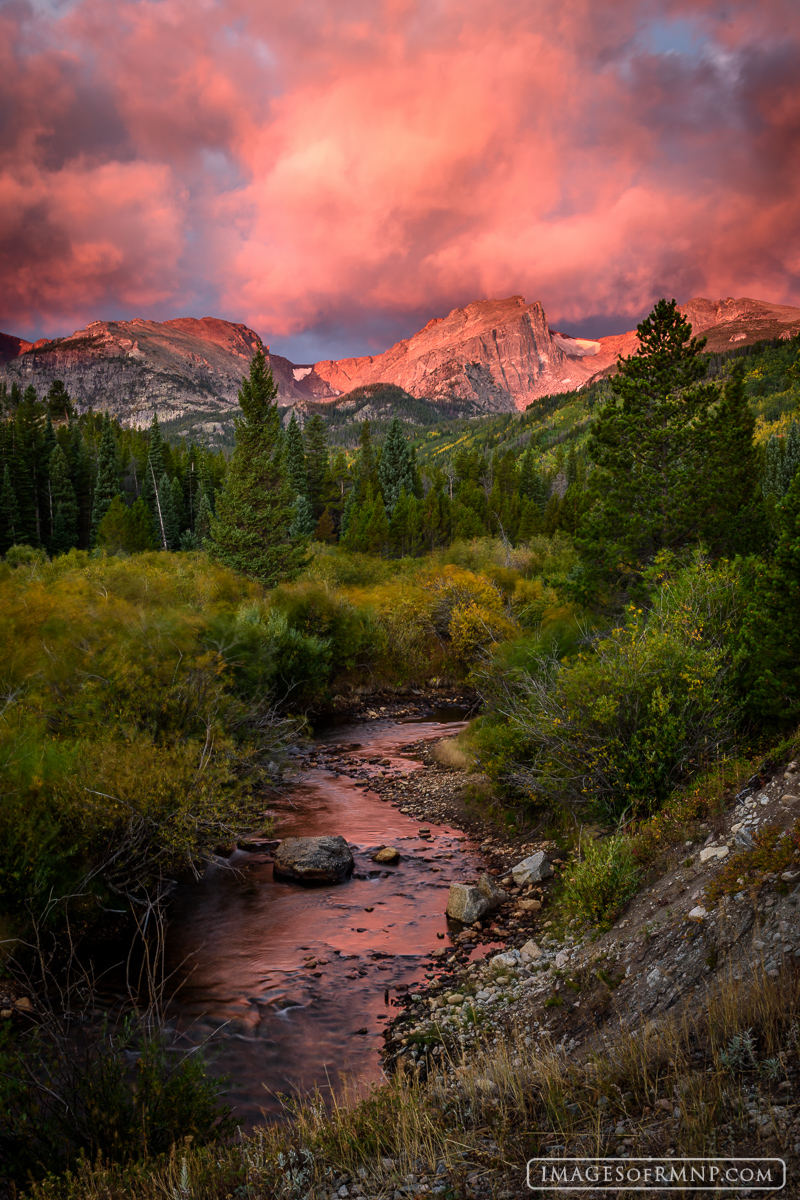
<point>511,475</point>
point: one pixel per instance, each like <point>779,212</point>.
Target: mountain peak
<point>493,355</point>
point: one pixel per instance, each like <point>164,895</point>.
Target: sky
<point>334,173</point>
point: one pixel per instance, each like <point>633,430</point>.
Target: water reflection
<point>302,978</point>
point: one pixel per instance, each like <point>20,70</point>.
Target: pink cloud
<point>336,160</point>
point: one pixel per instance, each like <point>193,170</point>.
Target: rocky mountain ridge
<point>491,356</point>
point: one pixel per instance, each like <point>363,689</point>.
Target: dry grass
<point>683,1086</point>
<point>450,753</point>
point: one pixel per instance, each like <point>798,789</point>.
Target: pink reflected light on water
<point>240,941</point>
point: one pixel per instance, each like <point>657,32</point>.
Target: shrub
<point>119,1095</point>
<point>646,706</point>
<point>467,610</point>
<point>598,887</point>
<point>775,850</point>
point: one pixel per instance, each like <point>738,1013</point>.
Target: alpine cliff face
<point>493,355</point>
<point>500,354</point>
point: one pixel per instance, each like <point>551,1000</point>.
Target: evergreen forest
<point>614,573</point>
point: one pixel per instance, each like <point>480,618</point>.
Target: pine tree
<point>9,513</point>
<point>405,536</point>
<point>169,519</point>
<point>303,524</point>
<point>59,405</point>
<point>107,482</point>
<point>770,642</point>
<point>376,530</point>
<point>349,512</point>
<point>434,520</point>
<point>395,473</point>
<point>250,531</point>
<point>154,469</point>
<point>366,474</point>
<point>178,506</point>
<point>733,519</point>
<point>527,471</point>
<point>25,458</point>
<point>772,479</point>
<point>191,487</point>
<point>296,457</point>
<point>791,456</point>
<point>317,464</point>
<point>202,520</point>
<point>129,530</point>
<point>531,521</point>
<point>647,488</point>
<point>325,531</point>
<point>81,473</point>
<point>63,505</point>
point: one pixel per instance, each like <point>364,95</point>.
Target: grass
<point>775,851</point>
<point>448,753</point>
<point>597,888</point>
<point>721,1069</point>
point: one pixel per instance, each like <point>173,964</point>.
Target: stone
<point>532,870</point>
<point>530,952</point>
<point>697,914</point>
<point>313,860</point>
<point>389,854</point>
<point>507,960</point>
<point>530,906</point>
<point>710,853</point>
<point>562,959</point>
<point>466,903</point>
<point>492,894</point>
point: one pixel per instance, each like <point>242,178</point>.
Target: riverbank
<point>673,1033</point>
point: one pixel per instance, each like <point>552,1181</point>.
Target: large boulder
<point>313,860</point>
<point>466,903</point>
<point>491,892</point>
<point>532,870</point>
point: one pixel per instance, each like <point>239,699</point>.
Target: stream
<point>293,985</point>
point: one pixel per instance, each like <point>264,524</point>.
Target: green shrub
<point>121,1096</point>
<point>643,708</point>
<point>600,885</point>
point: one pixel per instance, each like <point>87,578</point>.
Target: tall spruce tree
<point>733,517</point>
<point>154,469</point>
<point>129,530</point>
<point>296,457</point>
<point>178,506</point>
<point>791,455</point>
<point>772,479</point>
<point>769,655</point>
<point>366,468</point>
<point>25,467</point>
<point>648,487</point>
<point>169,521</point>
<point>106,485</point>
<point>250,530</point>
<point>202,520</point>
<point>317,464</point>
<point>10,525</point>
<point>303,524</point>
<point>63,505</point>
<point>394,472</point>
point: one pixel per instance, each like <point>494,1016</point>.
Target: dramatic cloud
<point>336,172</point>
